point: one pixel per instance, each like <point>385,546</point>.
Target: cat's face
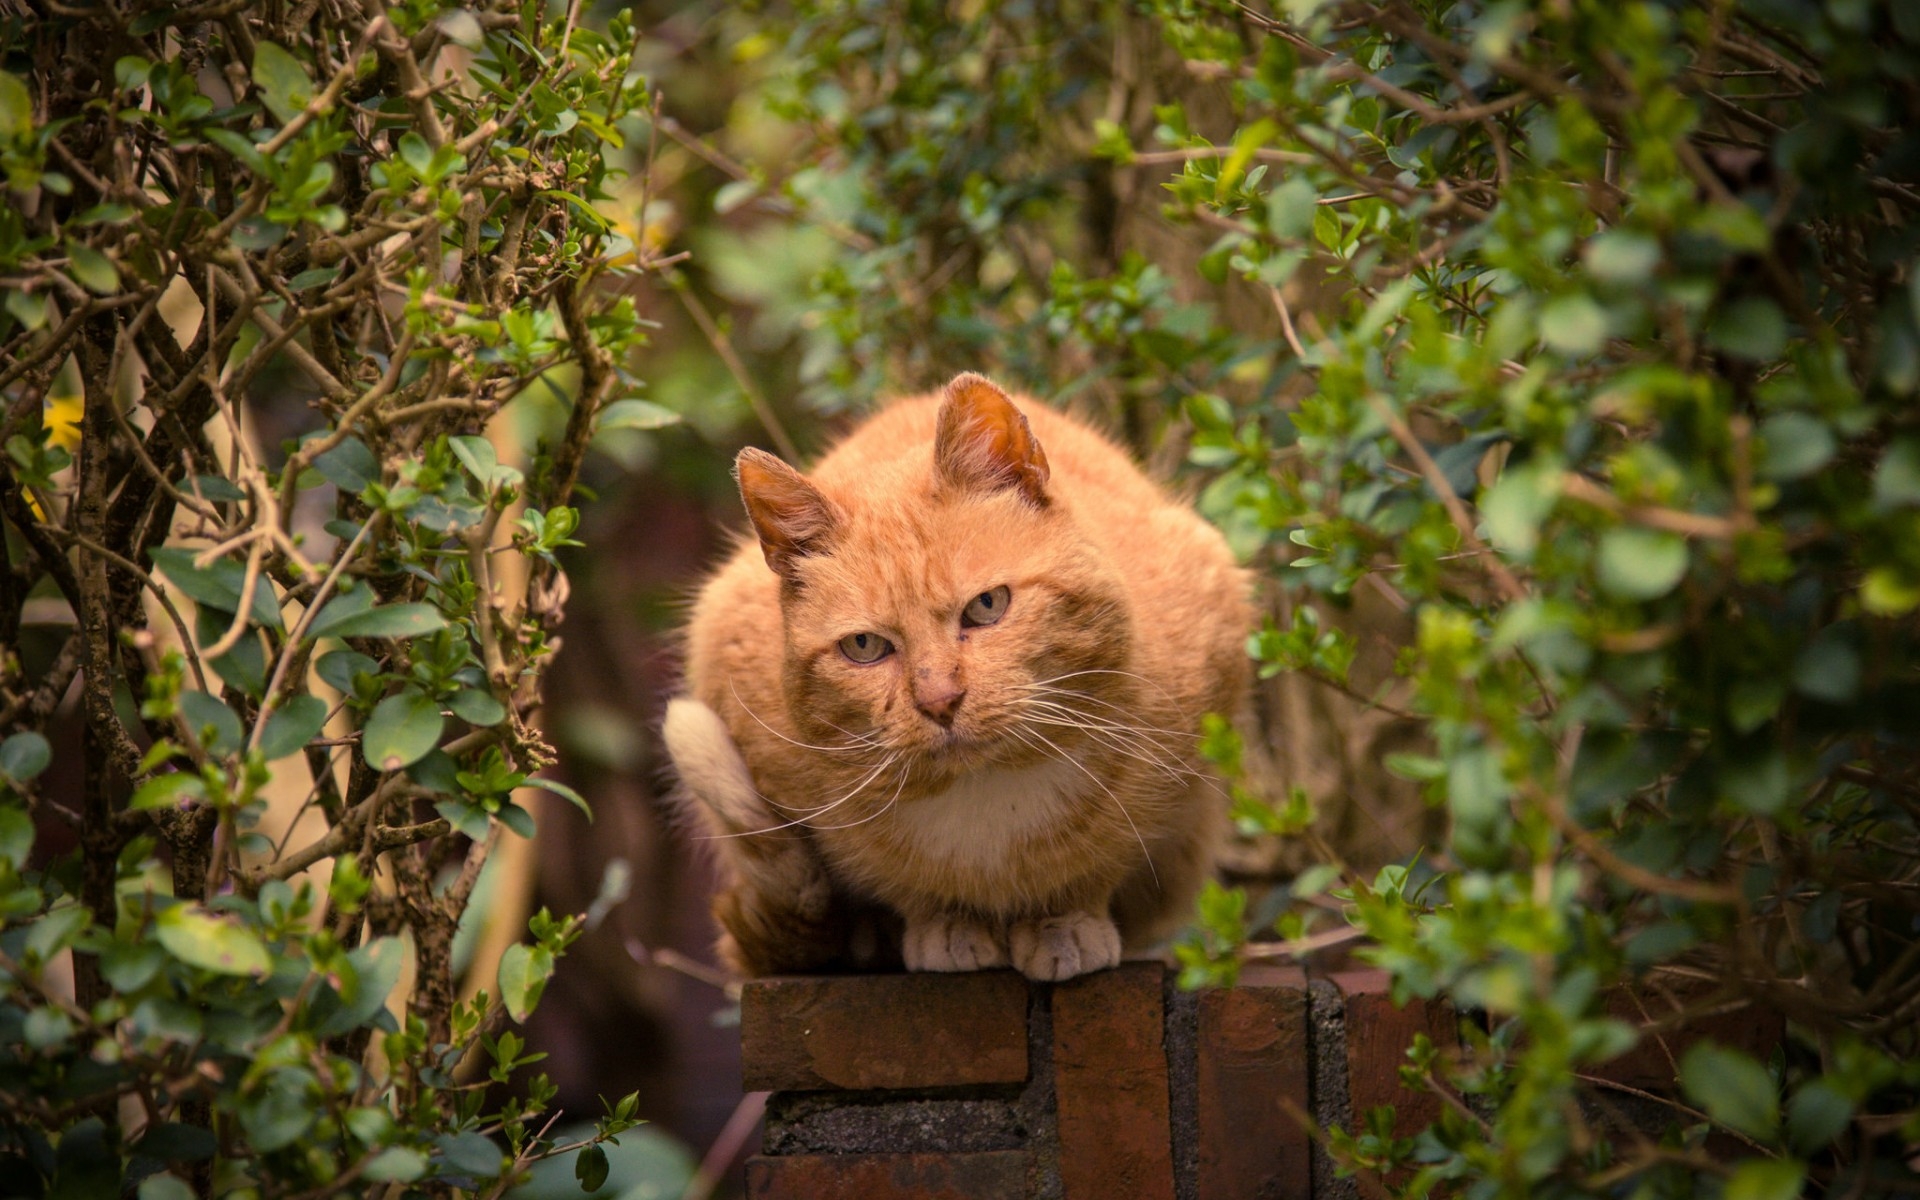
<point>941,609</point>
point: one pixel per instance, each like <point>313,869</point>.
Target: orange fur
<point>1021,791</point>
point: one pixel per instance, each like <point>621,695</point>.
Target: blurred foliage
<point>1583,333</point>
<point>268,274</point>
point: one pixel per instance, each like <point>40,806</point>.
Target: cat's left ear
<point>791,516</point>
<point>984,442</point>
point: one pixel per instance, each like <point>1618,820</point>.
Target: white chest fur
<point>983,818</point>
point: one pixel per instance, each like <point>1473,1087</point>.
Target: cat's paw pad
<point>1055,948</point>
<point>951,944</point>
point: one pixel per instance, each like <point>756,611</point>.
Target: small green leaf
<point>130,72</point>
<point>395,1164</point>
<point>23,756</point>
<point>218,944</point>
<point>339,667</point>
<point>636,414</point>
<point>16,107</point>
<point>92,269</point>
<point>1734,1090</point>
<point>389,621</point>
<point>349,466</point>
<point>165,791</point>
<point>472,1154</point>
<point>1795,445</point>
<point>218,584</point>
<point>401,730</point>
<point>1818,1113</point>
<point>16,835</point>
<point>524,971</point>
<point>564,792</point>
<point>1896,483</point>
<point>216,726</point>
<point>292,726</point>
<point>1622,257</point>
<point>517,819</point>
<point>591,1167</point>
<point>1640,564</point>
<point>1751,328</point>
<point>1574,324</point>
<point>1766,1179</point>
<point>468,819</point>
<point>284,85</point>
<point>477,708</point>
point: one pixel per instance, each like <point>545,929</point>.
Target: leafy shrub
<point>1584,334</point>
<point>268,275</point>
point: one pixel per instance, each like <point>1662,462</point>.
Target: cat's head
<point>937,599</point>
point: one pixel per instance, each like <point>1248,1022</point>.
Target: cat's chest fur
<point>987,818</point>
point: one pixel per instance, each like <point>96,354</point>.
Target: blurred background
<point>834,203</point>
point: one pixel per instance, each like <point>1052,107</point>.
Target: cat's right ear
<point>791,516</point>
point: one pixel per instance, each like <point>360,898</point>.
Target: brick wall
<point>1114,1086</point>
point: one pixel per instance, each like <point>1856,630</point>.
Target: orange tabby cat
<point>951,697</point>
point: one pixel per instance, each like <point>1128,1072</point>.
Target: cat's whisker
<point>1155,684</point>
<point>1067,694</point>
<point>872,773</point>
<point>882,811</point>
<point>1117,802</point>
<point>857,742</point>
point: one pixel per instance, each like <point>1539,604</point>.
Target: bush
<point>269,275</point>
<point>1584,334</point>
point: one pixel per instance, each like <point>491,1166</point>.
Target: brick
<point>1110,1083</point>
<point>1253,1069</point>
<point>1378,1034</point>
<point>854,1032</point>
<point>992,1175</point>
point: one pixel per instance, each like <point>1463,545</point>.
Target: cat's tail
<point>776,909</point>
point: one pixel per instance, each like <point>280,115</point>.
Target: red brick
<point>988,1175</point>
<point>1378,1034</point>
<point>806,1033</point>
<point>1110,1081</point>
<point>1252,1102</point>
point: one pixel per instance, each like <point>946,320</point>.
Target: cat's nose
<point>940,704</point>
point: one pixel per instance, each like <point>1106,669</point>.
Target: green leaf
<point>218,944</point>
<point>1639,564</point>
<point>395,1164</point>
<point>472,1154</point>
<point>1766,1179</point>
<point>1794,445</point>
<point>92,269</point>
<point>564,792</point>
<point>466,818</point>
<point>1574,324</point>
<point>1751,328</point>
<point>165,791</point>
<point>162,1186</point>
<point>590,1167</point>
<point>1734,1090</point>
<point>1896,484</point>
<point>1517,504</point>
<point>16,835</point>
<point>1291,208</point>
<point>1758,782</point>
<point>636,414</point>
<point>171,1141</point>
<point>1818,1113</point>
<point>284,85</point>
<point>23,756</point>
<point>128,967</point>
<point>401,730</point>
<point>477,708</point>
<point>216,726</point>
<point>281,1110</point>
<point>292,726</point>
<point>1829,668</point>
<point>218,584</point>
<point>376,969</point>
<point>388,621</point>
<point>1622,257</point>
<point>16,107</point>
<point>339,667</point>
<point>524,971</point>
<point>349,466</point>
<point>243,667</point>
<point>517,819</point>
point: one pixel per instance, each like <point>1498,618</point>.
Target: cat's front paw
<point>951,944</point>
<point>1055,948</point>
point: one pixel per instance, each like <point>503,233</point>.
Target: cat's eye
<point>986,608</point>
<point>865,648</point>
